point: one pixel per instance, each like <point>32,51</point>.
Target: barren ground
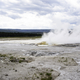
<point>21,61</point>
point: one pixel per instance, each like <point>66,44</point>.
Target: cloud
<point>75,3</point>
<point>39,14</point>
<point>3,13</point>
<point>14,16</point>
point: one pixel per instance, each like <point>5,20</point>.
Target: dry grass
<point>18,38</point>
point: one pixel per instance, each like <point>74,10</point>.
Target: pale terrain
<point>22,61</point>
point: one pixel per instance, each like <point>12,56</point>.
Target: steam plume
<point>62,36</point>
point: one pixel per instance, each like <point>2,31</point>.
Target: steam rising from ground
<point>54,37</point>
<point>62,36</point>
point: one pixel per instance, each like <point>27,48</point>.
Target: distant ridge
<point>25,30</point>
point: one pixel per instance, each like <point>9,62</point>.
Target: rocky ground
<point>20,61</point>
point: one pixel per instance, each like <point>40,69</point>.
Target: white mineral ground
<point>21,41</point>
<point>41,62</point>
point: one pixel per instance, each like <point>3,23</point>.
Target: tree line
<point>19,34</point>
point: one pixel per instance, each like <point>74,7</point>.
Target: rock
<point>68,61</point>
<point>78,70</point>
<point>21,59</point>
<point>40,54</point>
<point>33,53</point>
<point>6,74</point>
<point>30,59</point>
<point>52,53</point>
<point>68,45</point>
<point>62,67</point>
<point>15,70</point>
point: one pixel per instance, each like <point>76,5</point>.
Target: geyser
<point>54,37</point>
<point>61,36</point>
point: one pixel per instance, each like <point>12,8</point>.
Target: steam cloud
<point>62,36</point>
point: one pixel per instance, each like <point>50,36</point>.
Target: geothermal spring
<point>54,56</point>
<point>54,37</point>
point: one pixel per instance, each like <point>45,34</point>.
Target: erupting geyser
<point>54,37</point>
<point>62,36</point>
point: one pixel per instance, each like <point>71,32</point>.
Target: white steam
<point>62,36</point>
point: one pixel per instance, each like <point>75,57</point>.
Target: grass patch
<point>19,38</point>
<point>20,61</point>
<point>12,57</point>
<point>51,70</point>
<point>22,58</point>
<point>41,73</point>
<point>3,55</point>
<point>48,74</point>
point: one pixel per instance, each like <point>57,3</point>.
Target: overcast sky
<point>39,14</point>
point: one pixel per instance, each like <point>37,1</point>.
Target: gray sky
<point>39,14</point>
